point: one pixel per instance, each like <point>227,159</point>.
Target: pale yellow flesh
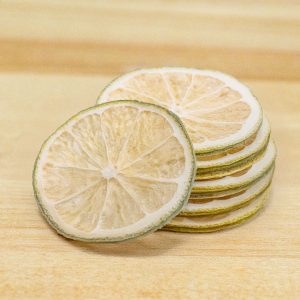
<point>212,109</point>
<point>112,168</point>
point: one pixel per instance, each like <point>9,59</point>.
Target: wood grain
<point>56,56</point>
<point>249,40</point>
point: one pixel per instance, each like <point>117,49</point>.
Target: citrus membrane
<point>237,161</point>
<point>232,182</point>
<point>114,172</point>
<point>221,205</point>
<point>218,111</point>
<point>218,222</point>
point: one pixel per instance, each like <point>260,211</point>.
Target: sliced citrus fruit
<point>219,112</point>
<point>218,222</point>
<point>237,161</point>
<point>233,183</point>
<point>114,172</point>
<point>221,205</point>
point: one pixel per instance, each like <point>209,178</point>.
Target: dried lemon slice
<point>218,222</point>
<point>229,203</point>
<point>232,183</point>
<point>114,172</point>
<point>237,161</point>
<point>219,112</point>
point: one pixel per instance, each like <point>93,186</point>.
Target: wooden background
<point>56,56</point>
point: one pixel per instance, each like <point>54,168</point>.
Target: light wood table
<point>56,56</point>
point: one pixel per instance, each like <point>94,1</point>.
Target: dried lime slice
<point>114,172</point>
<point>219,112</point>
<point>220,221</point>
<point>237,161</point>
<point>210,188</point>
<point>229,203</point>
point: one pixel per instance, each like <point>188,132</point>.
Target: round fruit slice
<point>219,112</point>
<point>218,222</point>
<point>197,197</point>
<point>217,205</point>
<point>257,170</point>
<point>114,172</point>
<point>238,161</point>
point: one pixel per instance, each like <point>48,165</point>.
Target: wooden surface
<point>55,57</point>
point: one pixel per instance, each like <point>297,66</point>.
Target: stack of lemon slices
<point>174,148</point>
<point>230,134</point>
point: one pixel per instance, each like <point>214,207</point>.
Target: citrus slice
<point>218,111</point>
<point>114,172</point>
<point>217,205</point>
<point>218,222</point>
<point>232,183</point>
<point>237,161</point>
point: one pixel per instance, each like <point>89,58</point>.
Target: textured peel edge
<point>222,226</point>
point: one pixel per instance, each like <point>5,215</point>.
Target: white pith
<point>150,220</point>
<point>109,172</point>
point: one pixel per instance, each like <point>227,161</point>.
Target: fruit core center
<point>109,172</point>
